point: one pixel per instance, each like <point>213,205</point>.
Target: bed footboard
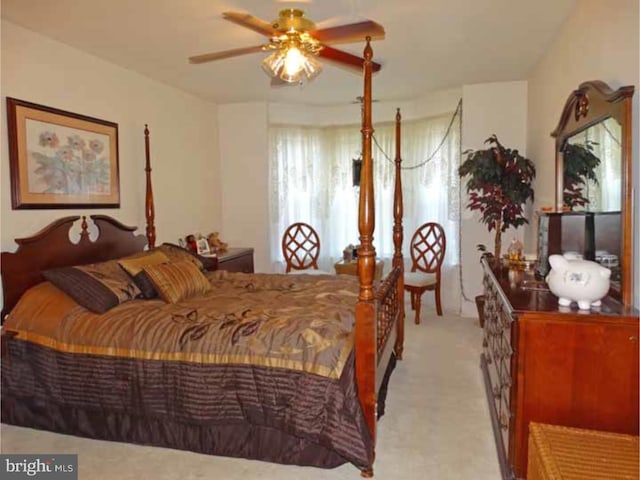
<point>388,316</point>
<point>387,311</point>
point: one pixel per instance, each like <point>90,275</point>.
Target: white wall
<point>488,108</point>
<point>599,41</point>
<point>244,154</point>
<point>436,103</point>
<point>183,128</point>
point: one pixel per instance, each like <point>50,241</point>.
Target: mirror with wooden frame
<point>593,170</point>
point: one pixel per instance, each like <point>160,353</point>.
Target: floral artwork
<point>61,159</point>
<point>67,161</point>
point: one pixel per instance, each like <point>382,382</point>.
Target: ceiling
<point>429,44</point>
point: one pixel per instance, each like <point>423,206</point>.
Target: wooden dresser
<point>545,365</point>
<point>236,260</point>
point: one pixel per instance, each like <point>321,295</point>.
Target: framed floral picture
<point>61,159</point>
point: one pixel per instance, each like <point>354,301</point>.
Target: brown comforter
<point>260,367</point>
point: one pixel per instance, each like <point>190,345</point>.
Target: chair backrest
<point>428,246</point>
<point>300,247</point>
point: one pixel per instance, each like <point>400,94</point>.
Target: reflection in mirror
<point>593,168</point>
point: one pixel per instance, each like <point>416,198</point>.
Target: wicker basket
<point>563,453</point>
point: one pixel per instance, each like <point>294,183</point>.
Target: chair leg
<point>413,301</point>
<point>438,304</point>
<point>418,302</point>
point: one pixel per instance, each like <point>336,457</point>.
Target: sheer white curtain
<point>311,181</point>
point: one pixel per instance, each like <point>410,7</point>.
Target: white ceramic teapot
<point>581,281</point>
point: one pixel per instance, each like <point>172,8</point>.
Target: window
<point>311,181</point>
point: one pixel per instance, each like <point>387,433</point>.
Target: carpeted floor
<point>436,427</point>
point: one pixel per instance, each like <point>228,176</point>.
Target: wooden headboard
<point>52,248</point>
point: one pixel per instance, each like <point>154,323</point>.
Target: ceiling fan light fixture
<point>274,63</point>
<point>291,64</point>
<point>295,45</point>
<point>294,61</point>
<point>312,67</point>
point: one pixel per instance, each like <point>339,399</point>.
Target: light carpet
<point>436,425</point>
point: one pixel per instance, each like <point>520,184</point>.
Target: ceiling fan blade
<point>353,32</point>
<point>344,58</point>
<point>209,57</point>
<point>251,22</point>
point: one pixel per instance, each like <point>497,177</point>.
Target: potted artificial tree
<point>579,165</point>
<point>499,185</point>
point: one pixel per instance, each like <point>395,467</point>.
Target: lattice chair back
<point>301,247</point>
<point>428,246</point>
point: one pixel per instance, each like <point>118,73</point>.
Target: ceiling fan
<point>294,43</point>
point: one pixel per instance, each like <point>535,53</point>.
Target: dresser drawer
<point>237,260</point>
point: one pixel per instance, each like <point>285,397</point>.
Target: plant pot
<point>480,306</point>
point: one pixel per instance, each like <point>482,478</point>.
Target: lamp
<point>293,60</point>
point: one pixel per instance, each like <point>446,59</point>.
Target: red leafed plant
<point>499,185</point>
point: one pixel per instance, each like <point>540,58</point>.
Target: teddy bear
<point>215,243</point>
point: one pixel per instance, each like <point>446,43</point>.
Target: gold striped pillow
<point>135,264</point>
<point>177,281</point>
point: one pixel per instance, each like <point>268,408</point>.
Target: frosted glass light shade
<point>291,65</point>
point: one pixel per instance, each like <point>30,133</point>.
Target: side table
<point>351,268</point>
<point>236,260</point>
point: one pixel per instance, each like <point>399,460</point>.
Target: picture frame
<point>60,159</point>
<point>202,246</point>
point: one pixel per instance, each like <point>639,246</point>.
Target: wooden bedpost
<point>365,328</point>
<point>398,261</point>
<point>149,209</point>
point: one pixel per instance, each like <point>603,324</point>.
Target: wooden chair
<point>428,246</point>
<point>301,247</point>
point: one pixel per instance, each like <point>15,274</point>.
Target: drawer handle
<point>633,338</point>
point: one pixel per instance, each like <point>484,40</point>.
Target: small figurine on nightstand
<point>191,243</point>
<point>216,244</point>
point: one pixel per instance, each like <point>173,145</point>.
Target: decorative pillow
<point>177,253</point>
<point>177,281</point>
<point>134,266</point>
<point>97,287</point>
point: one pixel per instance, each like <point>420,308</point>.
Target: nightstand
<point>236,260</point>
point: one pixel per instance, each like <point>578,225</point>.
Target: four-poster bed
<point>31,397</point>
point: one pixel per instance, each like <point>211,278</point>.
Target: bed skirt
<point>34,377</point>
<point>241,440</point>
